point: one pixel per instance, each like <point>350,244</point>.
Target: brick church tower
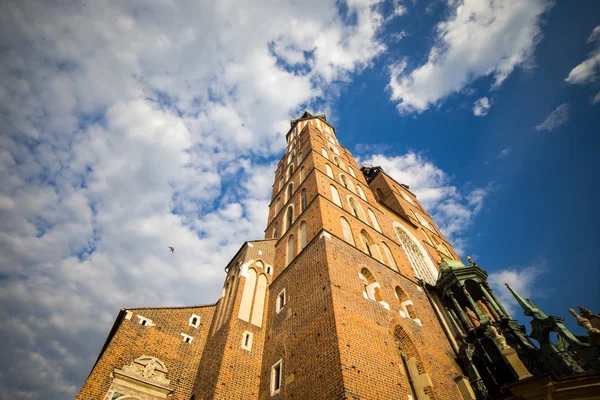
<point>354,293</point>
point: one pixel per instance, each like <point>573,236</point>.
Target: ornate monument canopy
<point>453,272</point>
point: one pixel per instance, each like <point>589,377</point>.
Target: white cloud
<point>481,107</point>
<point>127,130</point>
<point>505,152</point>
<point>587,71</point>
<point>555,119</point>
<point>479,38</point>
<point>453,209</point>
<point>521,279</point>
<point>596,99</point>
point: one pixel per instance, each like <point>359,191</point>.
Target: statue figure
<point>149,369</point>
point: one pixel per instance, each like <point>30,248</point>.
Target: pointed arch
<point>417,256</point>
<point>302,173</point>
<point>373,219</point>
<point>352,172</point>
<point>276,230</point>
<point>324,153</point>
<point>347,231</point>
<point>329,171</point>
<point>302,235</point>
<point>361,193</point>
<point>289,191</point>
<point>357,210</point>
<point>259,300</point>
<point>388,255</point>
<point>346,182</point>
<point>372,288</point>
<point>369,246</point>
<point>335,196</point>
<point>303,199</point>
<point>290,171</point>
<point>289,217</point>
<point>247,295</point>
<point>339,163</point>
<point>291,249</point>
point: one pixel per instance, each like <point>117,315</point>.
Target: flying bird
<point>172,249</point>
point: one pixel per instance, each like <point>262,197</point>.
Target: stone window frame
<point>191,321</point>
<point>281,298</point>
<point>247,337</point>
<point>187,338</point>
<point>144,321</point>
<point>275,384</point>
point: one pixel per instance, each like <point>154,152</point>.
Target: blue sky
<point>127,128</point>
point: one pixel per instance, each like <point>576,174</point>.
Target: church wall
<point>163,340</point>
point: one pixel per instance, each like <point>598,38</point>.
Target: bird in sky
<point>172,249</point>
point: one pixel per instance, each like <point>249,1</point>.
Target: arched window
<point>291,249</point>
<point>373,220</point>
<point>369,246</point>
<point>247,295</point>
<point>302,234</point>
<point>347,231</point>
<point>407,197</point>
<point>346,182</point>
<point>259,300</point>
<point>280,183</point>
<point>339,162</point>
<point>276,231</point>
<point>371,286</point>
<point>334,149</point>
<point>289,217</point>
<point>379,194</point>
<point>329,171</point>
<point>290,171</point>
<point>356,209</point>
<point>361,193</point>
<point>407,309</point>
<point>388,254</point>
<point>303,195</point>
<point>302,173</point>
<point>420,262</point>
<point>335,196</point>
<point>351,172</point>
<point>290,190</point>
<point>324,153</point>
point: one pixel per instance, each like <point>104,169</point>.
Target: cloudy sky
<point>127,127</point>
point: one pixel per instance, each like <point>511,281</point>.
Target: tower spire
<point>528,307</point>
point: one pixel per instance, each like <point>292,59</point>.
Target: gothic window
<point>247,295</point>
<point>280,183</point>
<point>373,219</point>
<point>419,261</point>
<point>361,193</point>
<point>388,255</point>
<point>346,182</point>
<point>372,290</point>
<point>289,192</point>
<point>334,149</point>
<point>291,249</point>
<point>290,171</point>
<point>356,209</point>
<point>289,217</point>
<point>276,231</point>
<point>302,234</point>
<point>407,197</point>
<point>302,173</point>
<point>303,195</point>
<point>335,196</point>
<point>329,171</point>
<point>338,162</point>
<point>407,309</point>
<point>368,245</point>
<point>324,153</point>
<point>277,204</point>
<point>352,172</point>
<point>347,231</point>
<point>259,300</point>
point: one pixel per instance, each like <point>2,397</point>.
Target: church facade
<point>354,293</point>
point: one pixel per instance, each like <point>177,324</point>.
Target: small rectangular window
<point>275,378</point>
<point>280,302</point>
<point>187,338</point>
<point>247,340</point>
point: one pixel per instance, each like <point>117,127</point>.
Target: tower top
<point>308,114</point>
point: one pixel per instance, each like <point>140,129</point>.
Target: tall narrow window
<point>351,172</point>
<point>290,190</point>
<point>329,171</point>
<point>369,246</point>
<point>371,286</point>
<point>302,234</point>
<point>373,219</point>
<point>347,231</point>
<point>276,378</point>
<point>276,231</point>
<point>303,199</point>
<point>280,302</point>
<point>280,183</point>
<point>335,196</point>
<point>302,173</point>
<point>290,171</point>
<point>259,300</point>
<point>289,217</point>
<point>324,153</point>
<point>411,384</point>
<point>422,265</point>
<point>361,193</point>
<point>291,249</point>
<point>247,295</point>
<point>356,209</point>
<point>388,254</point>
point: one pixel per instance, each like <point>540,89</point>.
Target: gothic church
<point>354,293</point>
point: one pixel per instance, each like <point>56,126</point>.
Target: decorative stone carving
<point>148,368</point>
<point>587,322</point>
<point>497,338</point>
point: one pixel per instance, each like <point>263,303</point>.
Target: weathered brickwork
<point>356,321</point>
